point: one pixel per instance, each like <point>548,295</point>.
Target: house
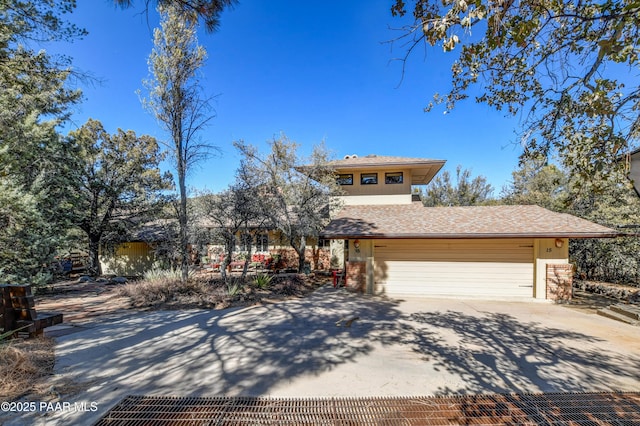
<point>632,160</point>
<point>149,246</point>
<point>396,246</point>
<point>137,253</point>
<point>269,247</point>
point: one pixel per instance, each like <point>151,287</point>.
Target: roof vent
<point>354,155</point>
<point>371,156</point>
<point>346,157</point>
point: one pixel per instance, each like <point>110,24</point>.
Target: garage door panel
<point>490,269</point>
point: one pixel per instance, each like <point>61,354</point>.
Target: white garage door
<point>491,269</point>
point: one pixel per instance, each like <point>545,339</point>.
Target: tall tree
<point>569,68</point>
<point>27,238</point>
<point>175,98</point>
<point>34,98</point>
<point>295,193</point>
<point>537,182</point>
<point>117,184</point>
<point>465,192</point>
<point>34,159</point>
<point>617,206</point>
<point>207,10</point>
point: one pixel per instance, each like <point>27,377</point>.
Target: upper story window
<point>368,179</point>
<point>345,179</point>
<point>395,177</point>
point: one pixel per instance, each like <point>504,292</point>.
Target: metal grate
<point>573,409</point>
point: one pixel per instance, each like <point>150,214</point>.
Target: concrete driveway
<point>302,348</point>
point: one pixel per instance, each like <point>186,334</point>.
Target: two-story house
<point>396,246</point>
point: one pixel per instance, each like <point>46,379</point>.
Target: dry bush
<point>24,365</point>
<point>168,292</point>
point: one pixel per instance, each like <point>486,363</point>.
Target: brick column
<point>356,277</point>
<point>559,282</point>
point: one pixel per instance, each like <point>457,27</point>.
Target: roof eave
<point>471,236</point>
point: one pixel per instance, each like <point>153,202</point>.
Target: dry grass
<point>25,365</point>
<point>170,293</point>
<point>165,292</point>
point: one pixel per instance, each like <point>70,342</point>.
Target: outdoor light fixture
<point>356,243</point>
<point>559,242</point>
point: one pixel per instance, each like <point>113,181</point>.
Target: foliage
<point>234,287</point>
<point>116,184</point>
<point>294,199</point>
<point>165,274</point>
<point>539,183</point>
<point>569,68</point>
<point>234,211</point>
<point>263,281</point>
<point>175,100</point>
<point>27,239</point>
<point>34,99</point>
<point>207,10</point>
<point>37,21</point>
<point>466,191</point>
<point>7,334</point>
<point>617,206</point>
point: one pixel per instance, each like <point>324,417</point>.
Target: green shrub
<point>262,281</point>
<point>166,274</point>
<point>234,287</point>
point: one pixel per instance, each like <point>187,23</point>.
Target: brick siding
<point>356,278</point>
<point>559,282</point>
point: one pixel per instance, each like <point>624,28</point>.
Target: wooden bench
<point>19,312</point>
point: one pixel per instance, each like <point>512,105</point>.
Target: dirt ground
<point>84,302</point>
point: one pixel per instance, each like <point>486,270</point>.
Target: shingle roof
<point>415,221</point>
<point>381,160</point>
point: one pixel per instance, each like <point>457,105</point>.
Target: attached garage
<point>491,252</point>
<point>457,268</point>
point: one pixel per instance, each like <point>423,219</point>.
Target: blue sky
<point>312,70</point>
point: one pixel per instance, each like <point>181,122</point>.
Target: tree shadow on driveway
<point>250,351</point>
<point>496,352</point>
<point>233,352</point>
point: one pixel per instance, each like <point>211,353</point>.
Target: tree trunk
<point>302,248</point>
<point>94,255</point>
<point>248,259</point>
<point>227,257</point>
<point>182,217</point>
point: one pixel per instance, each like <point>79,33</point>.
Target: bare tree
<point>294,198</point>
<point>233,212</point>
<point>175,98</point>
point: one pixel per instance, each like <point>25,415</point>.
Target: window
<point>245,242</point>
<point>262,242</point>
<point>368,179</point>
<point>395,177</point>
<point>345,179</point>
<point>324,243</point>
